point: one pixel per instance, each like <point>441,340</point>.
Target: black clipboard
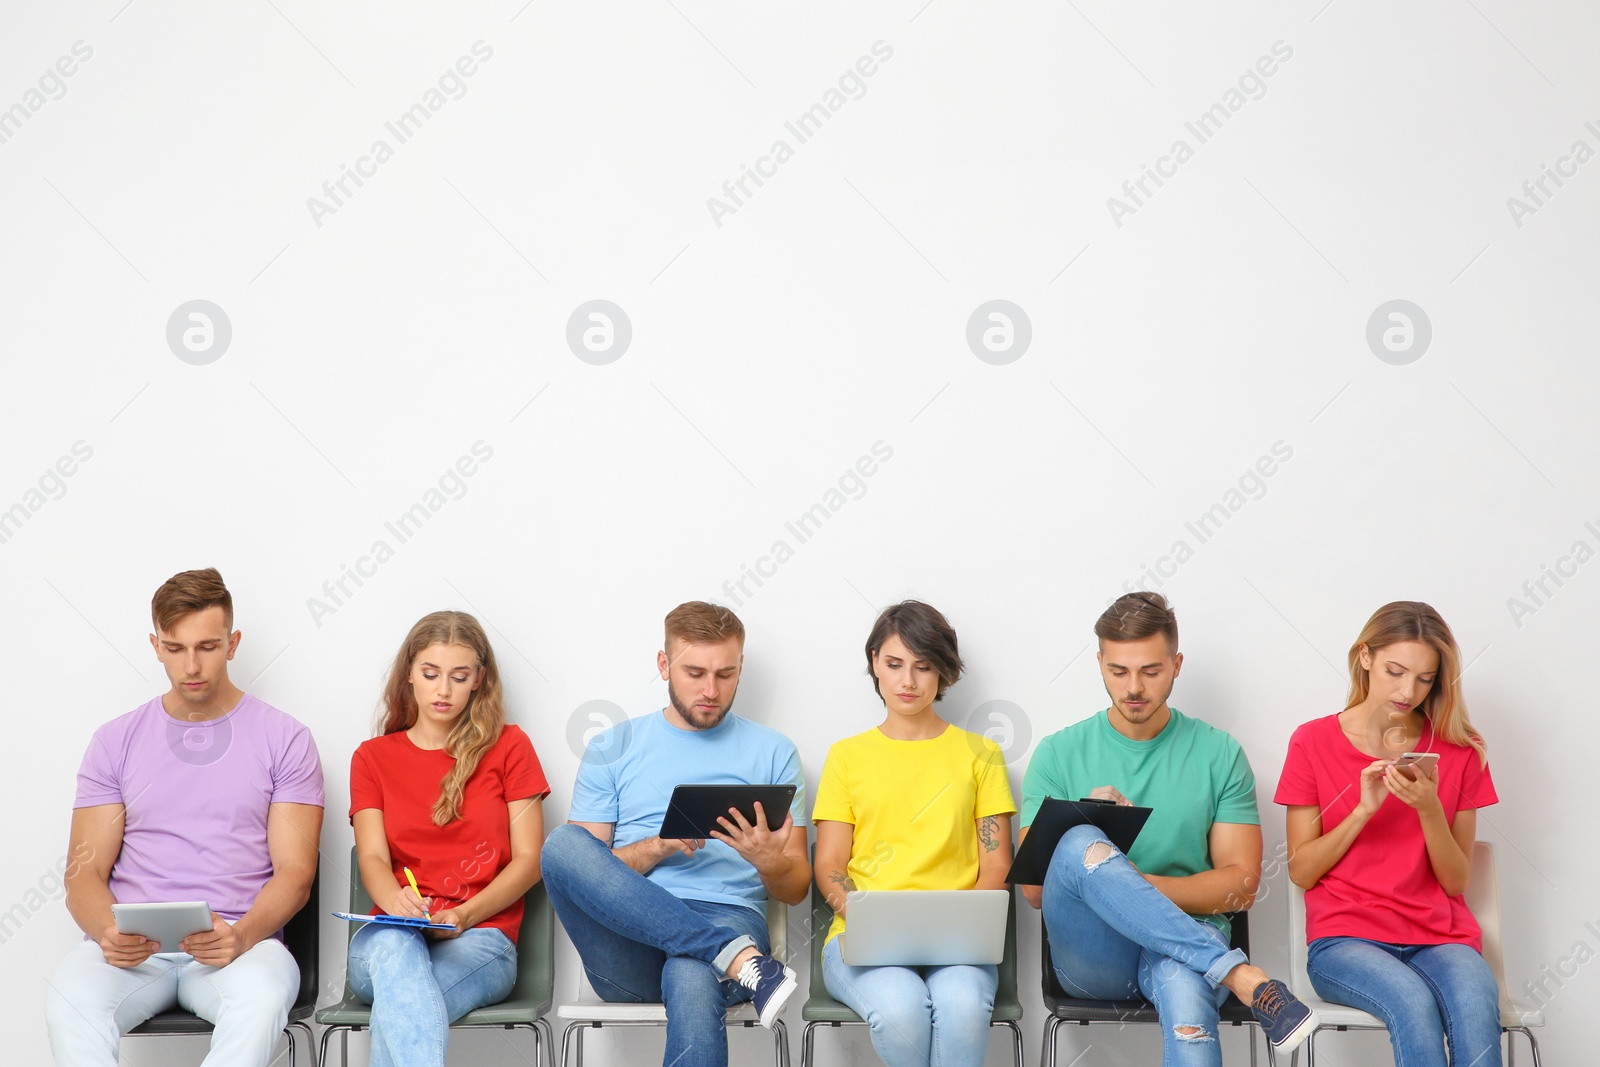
<point>1121,823</point>
<point>694,809</point>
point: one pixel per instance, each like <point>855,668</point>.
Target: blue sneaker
<point>773,982</point>
<point>1284,1018</point>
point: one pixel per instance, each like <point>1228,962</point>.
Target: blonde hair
<point>1412,620</point>
<point>478,726</point>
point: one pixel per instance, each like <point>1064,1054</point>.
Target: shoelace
<point>1270,1001</point>
<point>750,973</point>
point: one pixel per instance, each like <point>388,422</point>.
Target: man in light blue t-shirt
<point>682,922</point>
<point>1152,923</point>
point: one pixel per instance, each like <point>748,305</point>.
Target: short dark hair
<point>927,634</point>
<point>188,592</point>
<point>1136,616</point>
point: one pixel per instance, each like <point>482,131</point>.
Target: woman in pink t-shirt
<point>451,791</point>
<point>1382,849</point>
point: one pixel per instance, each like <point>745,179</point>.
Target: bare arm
<point>293,831</point>
<point>779,856</point>
<point>1313,853</point>
<point>518,876</point>
<point>994,851</point>
<point>1230,884</point>
<point>94,842</point>
<point>643,855</point>
<point>1449,844</point>
<point>835,840</point>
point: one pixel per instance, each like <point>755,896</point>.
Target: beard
<point>698,719</point>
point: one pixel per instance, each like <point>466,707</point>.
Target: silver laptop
<point>924,927</point>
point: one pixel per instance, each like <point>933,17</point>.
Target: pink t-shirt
<point>196,796</point>
<point>1383,888</point>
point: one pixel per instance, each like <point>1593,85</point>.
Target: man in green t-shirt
<point>1152,923</point>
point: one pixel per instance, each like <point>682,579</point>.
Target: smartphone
<point>1416,759</point>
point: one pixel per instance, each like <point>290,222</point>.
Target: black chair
<point>300,938</point>
<point>1066,1009</point>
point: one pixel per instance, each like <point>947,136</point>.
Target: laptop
<point>925,927</point>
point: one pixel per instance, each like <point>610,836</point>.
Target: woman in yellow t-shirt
<point>914,803</point>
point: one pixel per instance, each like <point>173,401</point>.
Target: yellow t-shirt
<point>914,806</point>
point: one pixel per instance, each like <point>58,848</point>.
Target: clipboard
<point>393,920</point>
<point>1121,823</point>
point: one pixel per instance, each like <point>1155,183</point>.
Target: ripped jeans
<point>1114,936</point>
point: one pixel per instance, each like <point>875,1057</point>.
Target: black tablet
<point>694,809</point>
<point>1121,823</point>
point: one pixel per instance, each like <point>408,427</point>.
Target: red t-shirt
<point>1383,888</point>
<point>455,862</point>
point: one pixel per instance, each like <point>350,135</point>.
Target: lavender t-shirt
<point>196,796</point>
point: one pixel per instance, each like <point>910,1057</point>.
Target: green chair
<point>821,1009</point>
<point>526,1007</point>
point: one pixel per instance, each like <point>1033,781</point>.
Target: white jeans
<point>91,1004</point>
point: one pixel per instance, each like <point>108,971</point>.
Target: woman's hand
<point>453,916</point>
<point>407,904</point>
<point>1373,790</point>
<point>1420,790</point>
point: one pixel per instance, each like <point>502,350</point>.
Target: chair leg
<point>808,1039</point>
<point>544,1042</point>
<point>1511,1044</point>
<point>780,1035</point>
<point>572,1039</point>
<point>1250,1032</point>
<point>327,1035</point>
<point>1047,1056</point>
<point>1016,1039</point>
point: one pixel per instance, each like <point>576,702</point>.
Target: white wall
<point>771,347</point>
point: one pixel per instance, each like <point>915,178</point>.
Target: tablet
<point>694,809</point>
<point>1121,823</point>
<point>167,924</point>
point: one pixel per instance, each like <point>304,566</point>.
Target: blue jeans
<point>418,986</point>
<point>1114,936</point>
<point>640,944</point>
<point>1426,995</point>
<point>919,1016</point>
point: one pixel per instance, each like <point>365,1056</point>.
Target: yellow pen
<point>413,880</point>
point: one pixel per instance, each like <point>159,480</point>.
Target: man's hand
<point>666,846</point>
<point>762,848</point>
<point>126,950</point>
<point>216,947</point>
<point>1109,792</point>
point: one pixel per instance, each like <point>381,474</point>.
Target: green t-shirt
<point>1190,774</point>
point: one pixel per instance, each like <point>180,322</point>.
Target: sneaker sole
<point>780,996</point>
<point>1296,1037</point>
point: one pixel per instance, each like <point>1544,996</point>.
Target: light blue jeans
<point>919,1016</point>
<point>90,1004</point>
<point>1114,936</point>
<point>1426,995</point>
<point>418,986</point>
<point>640,943</point>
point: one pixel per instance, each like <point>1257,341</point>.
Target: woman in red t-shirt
<point>1382,848</point>
<point>453,792</point>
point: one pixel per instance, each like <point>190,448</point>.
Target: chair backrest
<point>300,938</point>
<point>535,937</point>
<point>1299,980</point>
<point>1483,900</point>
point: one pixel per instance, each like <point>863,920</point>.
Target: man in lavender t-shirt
<point>205,793</point>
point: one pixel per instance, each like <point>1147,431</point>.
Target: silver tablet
<point>168,924</point>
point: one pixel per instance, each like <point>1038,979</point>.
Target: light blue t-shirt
<point>629,771</point>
